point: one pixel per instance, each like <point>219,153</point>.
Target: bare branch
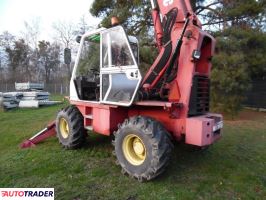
<point>199,9</point>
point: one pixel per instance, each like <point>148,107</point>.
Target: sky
<point>13,13</point>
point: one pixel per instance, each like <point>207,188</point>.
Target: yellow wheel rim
<point>134,149</point>
<point>64,128</point>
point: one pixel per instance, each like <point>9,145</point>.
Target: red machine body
<point>198,129</point>
<point>180,104</point>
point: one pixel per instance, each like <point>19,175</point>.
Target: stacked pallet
<point>35,95</point>
<point>1,100</point>
<point>33,99</point>
<point>28,95</point>
<point>11,99</point>
<point>29,86</point>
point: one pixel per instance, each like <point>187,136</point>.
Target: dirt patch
<point>248,115</point>
<point>252,115</point>
<point>248,118</point>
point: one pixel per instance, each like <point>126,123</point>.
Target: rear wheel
<point>142,147</point>
<point>69,128</point>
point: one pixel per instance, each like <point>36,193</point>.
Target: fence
<point>53,88</point>
<point>256,97</point>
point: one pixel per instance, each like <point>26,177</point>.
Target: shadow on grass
<point>183,156</point>
<point>184,159</point>
<point>97,140</point>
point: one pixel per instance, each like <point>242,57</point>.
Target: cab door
<point>119,74</point>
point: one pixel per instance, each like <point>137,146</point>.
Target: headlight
<point>196,54</point>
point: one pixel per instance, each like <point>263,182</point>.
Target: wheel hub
<point>138,147</point>
<point>134,149</point>
<point>64,128</point>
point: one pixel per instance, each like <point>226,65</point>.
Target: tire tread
<point>75,120</point>
<point>161,146</point>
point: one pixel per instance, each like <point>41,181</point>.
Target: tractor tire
<point>143,148</point>
<point>69,128</point>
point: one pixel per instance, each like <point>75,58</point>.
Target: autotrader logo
<point>27,193</point>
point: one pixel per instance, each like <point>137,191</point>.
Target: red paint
<point>173,114</point>
<point>158,28</point>
<point>199,130</point>
<point>174,94</point>
<point>49,131</point>
<point>104,117</point>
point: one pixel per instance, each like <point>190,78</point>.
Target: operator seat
<point>88,86</point>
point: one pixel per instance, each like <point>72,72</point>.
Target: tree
<point>48,58</point>
<point>240,57</point>
<point>222,14</point>
<point>19,59</point>
<point>134,15</point>
<point>89,59</point>
<point>31,32</point>
<point>30,35</point>
<point>239,26</point>
<point>6,41</point>
<point>65,32</point>
<point>230,78</point>
<point>136,18</point>
<point>82,26</point>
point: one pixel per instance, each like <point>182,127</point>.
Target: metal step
<point>88,116</point>
<point>90,128</point>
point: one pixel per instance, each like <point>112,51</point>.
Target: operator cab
<point>106,69</point>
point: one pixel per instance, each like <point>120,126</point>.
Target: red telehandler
<point>171,102</point>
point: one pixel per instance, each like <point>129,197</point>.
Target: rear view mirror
<point>78,38</point>
<point>67,56</point>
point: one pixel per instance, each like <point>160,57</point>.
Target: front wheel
<point>142,147</point>
<point>69,128</point>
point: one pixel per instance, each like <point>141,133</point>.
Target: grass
<point>233,168</point>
